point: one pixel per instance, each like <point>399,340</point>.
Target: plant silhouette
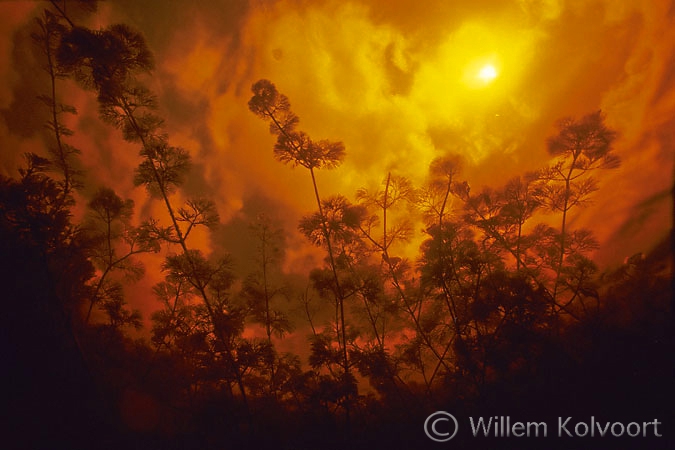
<point>431,295</point>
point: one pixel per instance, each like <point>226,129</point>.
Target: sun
<point>487,73</point>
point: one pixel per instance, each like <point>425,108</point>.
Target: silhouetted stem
<point>338,289</point>
<point>181,240</point>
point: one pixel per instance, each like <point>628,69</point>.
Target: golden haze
<point>400,84</point>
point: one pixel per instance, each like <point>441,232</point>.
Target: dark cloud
<point>26,115</point>
<point>430,20</point>
<point>641,232</point>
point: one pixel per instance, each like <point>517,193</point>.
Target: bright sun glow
<point>474,69</point>
<point>487,73</point>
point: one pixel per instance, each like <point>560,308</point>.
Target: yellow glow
<point>473,69</point>
<point>487,73</point>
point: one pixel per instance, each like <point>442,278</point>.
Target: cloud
<point>395,81</point>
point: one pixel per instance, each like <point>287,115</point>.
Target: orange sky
<point>396,81</point>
